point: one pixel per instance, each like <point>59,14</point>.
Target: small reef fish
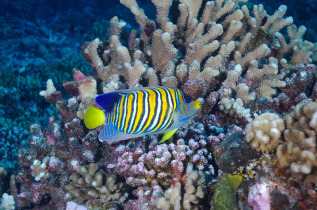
<point>137,112</point>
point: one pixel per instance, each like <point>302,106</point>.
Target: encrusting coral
<point>236,61</point>
<point>259,196</point>
<point>225,191</point>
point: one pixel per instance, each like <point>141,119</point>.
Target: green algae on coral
<point>225,192</point>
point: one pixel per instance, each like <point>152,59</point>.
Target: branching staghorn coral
<point>224,49</point>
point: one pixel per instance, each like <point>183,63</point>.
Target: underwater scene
<point>158,104</point>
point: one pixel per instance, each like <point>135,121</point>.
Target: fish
<point>133,113</point>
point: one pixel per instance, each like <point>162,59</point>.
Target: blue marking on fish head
<point>187,98</point>
<point>107,100</point>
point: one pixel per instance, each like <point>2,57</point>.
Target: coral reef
<point>7,201</point>
<point>194,191</point>
<point>296,148</point>
<point>234,59</point>
<point>288,176</point>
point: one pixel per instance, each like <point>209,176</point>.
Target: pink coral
<point>259,196</point>
<point>74,206</point>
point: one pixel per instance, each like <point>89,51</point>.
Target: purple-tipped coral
<point>159,169</point>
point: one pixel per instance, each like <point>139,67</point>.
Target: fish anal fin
<point>168,135</point>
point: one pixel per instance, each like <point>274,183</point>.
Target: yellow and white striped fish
<point>137,112</point>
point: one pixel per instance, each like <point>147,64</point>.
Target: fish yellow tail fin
<point>94,117</point>
<point>196,104</point>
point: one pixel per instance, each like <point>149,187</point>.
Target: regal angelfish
<point>137,112</point>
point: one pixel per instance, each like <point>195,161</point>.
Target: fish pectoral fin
<point>168,135</point>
